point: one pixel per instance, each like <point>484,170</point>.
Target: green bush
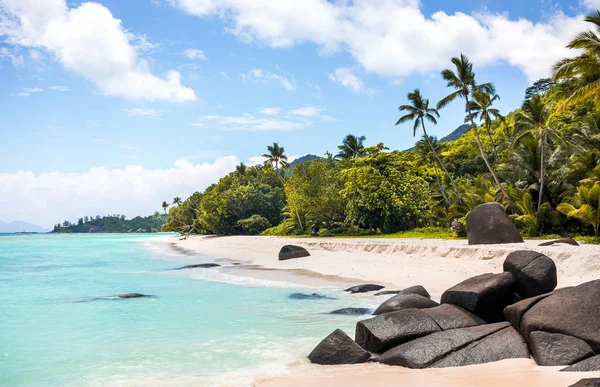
<point>254,225</point>
<point>285,228</point>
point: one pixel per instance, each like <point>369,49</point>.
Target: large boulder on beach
<point>405,301</point>
<point>591,364</point>
<point>485,295</point>
<point>574,311</point>
<point>514,312</point>
<point>364,288</point>
<point>338,348</point>
<point>535,273</point>
<point>448,316</point>
<point>291,251</point>
<point>555,349</point>
<point>417,289</point>
<point>425,351</point>
<point>488,224</point>
<point>564,241</point>
<point>504,344</point>
<point>385,331</point>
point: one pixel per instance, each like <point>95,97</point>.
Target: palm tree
<point>419,111</point>
<point>481,106</point>
<point>425,153</point>
<point>276,158</point>
<point>585,68</point>
<point>532,119</point>
<point>177,200</point>
<point>165,205</point>
<point>463,80</point>
<point>585,207</point>
<point>241,168</point>
<point>352,147</point>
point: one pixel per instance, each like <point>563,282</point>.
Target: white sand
<point>398,263</point>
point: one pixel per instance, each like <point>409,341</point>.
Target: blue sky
<point>101,101</point>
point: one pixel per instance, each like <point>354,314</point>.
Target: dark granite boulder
<point>449,316</point>
<point>535,272</point>
<point>566,241</point>
<point>130,295</point>
<point>588,365</point>
<point>489,224</point>
<point>385,331</point>
<point>291,251</point>
<point>199,266</point>
<point>504,344</point>
<point>311,296</point>
<point>485,295</point>
<point>573,311</point>
<point>387,292</point>
<point>514,312</point>
<point>591,382</point>
<point>405,301</point>
<point>352,311</point>
<point>425,351</point>
<point>555,349</point>
<point>417,289</point>
<point>338,348</point>
<point>364,288</point>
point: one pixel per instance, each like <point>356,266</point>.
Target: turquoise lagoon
<point>59,327</point>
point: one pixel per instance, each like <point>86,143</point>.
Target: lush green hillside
<point>540,162</point>
<point>113,224</point>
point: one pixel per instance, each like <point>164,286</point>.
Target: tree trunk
<point>440,161</point>
<point>299,220</point>
<point>489,132</point>
<point>542,169</point>
<point>485,159</point>
<point>437,177</point>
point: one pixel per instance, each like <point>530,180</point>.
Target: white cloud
<point>59,88</point>
<point>194,54</point>
<point>144,112</point>
<point>270,111</point>
<point>307,111</point>
<point>53,197</point>
<point>258,75</point>
<point>32,90</point>
<point>345,77</point>
<point>250,123</point>
<point>91,42</point>
<point>393,38</point>
<point>224,75</point>
<point>592,4</point>
<point>5,53</point>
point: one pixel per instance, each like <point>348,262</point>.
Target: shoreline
<point>435,264</point>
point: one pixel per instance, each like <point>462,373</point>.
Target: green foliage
<point>113,224</point>
<point>254,225</point>
<point>286,227</point>
<point>182,217</point>
<point>585,206</point>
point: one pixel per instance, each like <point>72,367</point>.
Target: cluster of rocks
<point>490,317</point>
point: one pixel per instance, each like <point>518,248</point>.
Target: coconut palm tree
<point>419,111</point>
<point>276,158</point>
<point>426,154</point>
<point>585,207</point>
<point>463,81</point>
<point>585,68</point>
<point>352,147</point>
<point>481,106</point>
<point>165,205</point>
<point>532,119</point>
<point>177,200</point>
<point>241,168</point>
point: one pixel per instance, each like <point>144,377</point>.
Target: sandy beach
<point>397,263</point>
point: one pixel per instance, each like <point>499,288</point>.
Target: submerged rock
<point>352,311</point>
<point>291,251</point>
<point>338,348</point>
<point>198,266</point>
<point>405,301</point>
<point>364,288</point>
<point>311,296</point>
<point>555,349</point>
<point>130,295</point>
<point>535,272</point>
<point>485,295</point>
<point>489,224</point>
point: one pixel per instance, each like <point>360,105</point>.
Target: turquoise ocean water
<point>203,327</point>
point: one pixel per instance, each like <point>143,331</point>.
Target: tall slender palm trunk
<point>489,132</point>
<point>440,162</point>
<point>485,159</point>
<point>437,178</point>
<point>542,169</point>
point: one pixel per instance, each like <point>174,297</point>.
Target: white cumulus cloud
<point>258,75</point>
<point>270,111</point>
<point>592,4</point>
<point>194,54</point>
<point>53,197</point>
<point>91,42</point>
<point>307,111</point>
<point>345,77</point>
<point>394,38</point>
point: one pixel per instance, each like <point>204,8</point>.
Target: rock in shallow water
<point>306,296</point>
<point>364,288</point>
<point>352,311</point>
<point>198,266</point>
<point>291,251</point>
<point>555,349</point>
<point>338,348</point>
<point>130,295</point>
<point>405,301</point>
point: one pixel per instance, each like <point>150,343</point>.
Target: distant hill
<point>456,133</point>
<point>302,159</point>
<point>113,224</point>
<point>20,227</point>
